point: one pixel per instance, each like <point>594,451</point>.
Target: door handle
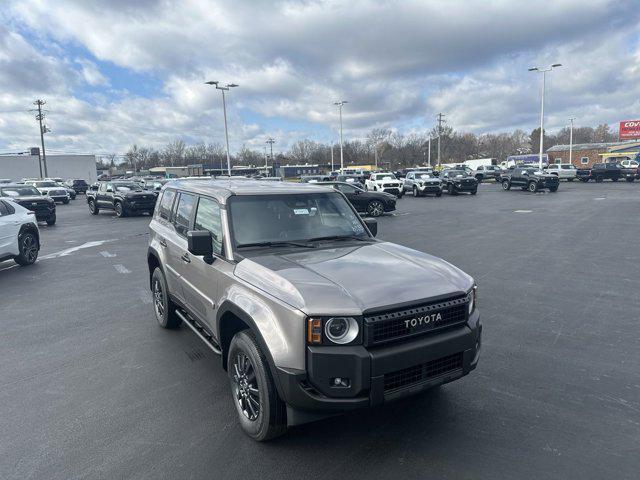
<point>185,258</point>
<point>163,242</point>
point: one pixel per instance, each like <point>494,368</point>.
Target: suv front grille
<point>420,319</point>
<point>408,377</point>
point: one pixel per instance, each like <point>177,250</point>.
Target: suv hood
<point>350,280</point>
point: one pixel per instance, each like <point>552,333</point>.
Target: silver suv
<point>310,314</point>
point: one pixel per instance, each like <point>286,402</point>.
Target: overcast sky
<point>118,72</point>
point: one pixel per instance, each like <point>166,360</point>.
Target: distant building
<point>17,167</point>
<point>293,171</point>
<point>584,155</point>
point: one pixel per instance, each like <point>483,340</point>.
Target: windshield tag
<point>301,211</point>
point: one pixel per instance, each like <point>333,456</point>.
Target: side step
<point>199,331</point>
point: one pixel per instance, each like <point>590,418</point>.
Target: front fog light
<point>341,330</point>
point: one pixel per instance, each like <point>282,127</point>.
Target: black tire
<point>553,189</point>
<point>479,179</point>
<point>261,412</point>
<point>451,189</point>
<point>400,194</point>
<point>532,187</point>
<point>585,180</point>
<point>28,248</point>
<point>599,179</point>
<point>506,185</point>
<point>439,194</point>
<point>65,201</point>
<point>375,208</point>
<point>120,211</point>
<point>569,179</point>
<point>416,192</point>
<point>93,208</point>
<point>615,179</point>
<point>473,192</point>
<point>163,307</point>
<point>51,221</point>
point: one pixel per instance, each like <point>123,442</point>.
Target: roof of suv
<point>223,189</point>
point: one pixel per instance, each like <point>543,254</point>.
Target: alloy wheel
<point>158,299</point>
<point>29,248</point>
<point>245,386</point>
<point>375,209</point>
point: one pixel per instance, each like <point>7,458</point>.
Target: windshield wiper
<point>275,244</point>
<point>339,237</point>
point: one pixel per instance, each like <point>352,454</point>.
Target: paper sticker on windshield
<point>301,211</point>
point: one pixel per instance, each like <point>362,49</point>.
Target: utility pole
<point>270,141</point>
<point>571,140</point>
<point>441,120</point>
<point>375,154</point>
<point>43,129</point>
<point>429,150</point>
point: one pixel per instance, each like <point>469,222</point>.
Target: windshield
<point>293,217</point>
<point>457,173</point>
<point>19,191</point>
<point>384,176</point>
<point>424,176</point>
<point>127,187</point>
<point>46,184</point>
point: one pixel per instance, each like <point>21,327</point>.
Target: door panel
<point>9,228</point>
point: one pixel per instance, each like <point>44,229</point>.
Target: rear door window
<point>183,212</point>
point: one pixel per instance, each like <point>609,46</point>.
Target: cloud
<point>398,63</point>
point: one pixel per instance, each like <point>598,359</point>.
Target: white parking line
<point>522,211</point>
<point>106,254</point>
<point>600,198</point>
<point>121,268</point>
<point>69,251</point>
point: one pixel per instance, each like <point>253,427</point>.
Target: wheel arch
<point>153,262</point>
<point>232,319</point>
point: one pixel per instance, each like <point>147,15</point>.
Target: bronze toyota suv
<point>284,282</point>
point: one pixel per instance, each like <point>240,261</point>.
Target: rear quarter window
<point>164,210</point>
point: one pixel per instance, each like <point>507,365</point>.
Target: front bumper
<point>435,188</point>
<point>60,198</point>
<point>381,374</point>
<point>140,206</point>
<point>465,187</point>
<point>391,190</point>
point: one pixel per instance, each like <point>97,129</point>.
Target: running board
<point>199,331</point>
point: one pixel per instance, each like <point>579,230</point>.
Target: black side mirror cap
<point>200,244</point>
<point>372,225</point>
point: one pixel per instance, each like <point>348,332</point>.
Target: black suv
<point>79,185</point>
<point>456,181</point>
<point>530,178</point>
<point>30,198</point>
<point>373,204</point>
<point>123,197</point>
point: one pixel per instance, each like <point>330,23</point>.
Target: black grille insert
<point>419,373</point>
<point>419,319</point>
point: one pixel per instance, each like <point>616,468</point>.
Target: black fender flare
<point>229,307</point>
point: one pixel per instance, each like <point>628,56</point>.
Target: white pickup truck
<point>563,171</point>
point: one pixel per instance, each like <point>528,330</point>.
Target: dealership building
<point>584,155</point>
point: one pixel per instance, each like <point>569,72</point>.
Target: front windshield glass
<point>127,187</point>
<point>19,191</point>
<point>46,184</point>
<point>292,217</point>
<point>385,176</point>
<point>425,176</point>
<point>457,173</point>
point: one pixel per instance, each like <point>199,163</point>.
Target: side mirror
<point>372,225</point>
<point>200,244</point>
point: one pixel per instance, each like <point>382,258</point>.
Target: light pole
<point>544,71</point>
<point>332,156</point>
<point>340,105</point>
<point>429,150</point>
<point>270,141</point>
<point>224,109</point>
<point>571,119</point>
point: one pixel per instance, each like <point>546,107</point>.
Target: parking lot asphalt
<point>91,387</point>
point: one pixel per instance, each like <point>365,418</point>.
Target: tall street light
<point>224,109</point>
<point>544,71</point>
<point>571,119</point>
<point>340,105</point>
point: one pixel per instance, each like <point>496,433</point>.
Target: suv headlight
<point>334,330</point>
<point>473,299</point>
